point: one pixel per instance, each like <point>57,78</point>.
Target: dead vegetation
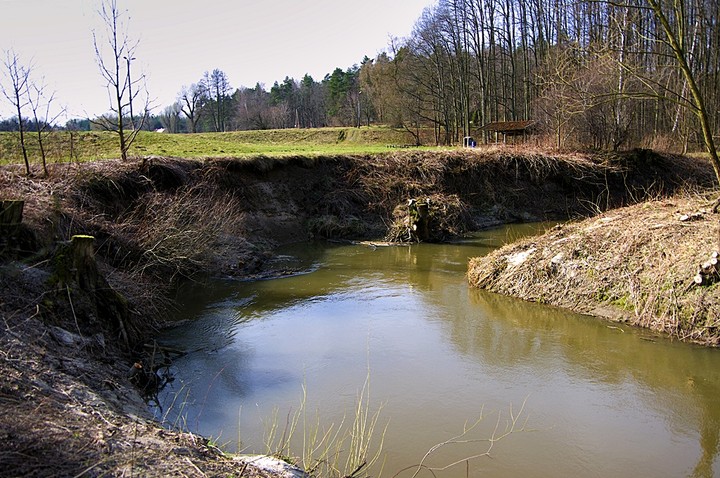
<point>70,408</point>
<point>635,264</point>
<point>473,189</point>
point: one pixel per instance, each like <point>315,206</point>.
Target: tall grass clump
<point>181,233</point>
<point>346,449</point>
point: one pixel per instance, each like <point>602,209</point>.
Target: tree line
<point>603,74</point>
<point>211,104</point>
<point>599,74</point>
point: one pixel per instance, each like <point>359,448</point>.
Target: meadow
<point>65,146</point>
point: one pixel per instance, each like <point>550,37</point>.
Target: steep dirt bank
<point>67,345</point>
<point>636,264</point>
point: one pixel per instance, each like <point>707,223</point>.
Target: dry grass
<point>180,233</point>
<point>66,415</point>
<point>635,264</point>
<point>472,188</point>
<point>66,405</point>
<point>150,226</point>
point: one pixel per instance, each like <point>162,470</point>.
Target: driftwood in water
<point>708,272</point>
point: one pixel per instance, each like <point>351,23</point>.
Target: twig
<point>86,470</point>
<point>72,308</point>
<point>356,470</point>
<point>199,470</point>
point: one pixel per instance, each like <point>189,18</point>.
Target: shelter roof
<point>509,126</point>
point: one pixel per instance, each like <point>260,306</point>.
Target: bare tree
<point>170,117</point>
<point>40,105</point>
<point>114,57</point>
<point>561,99</point>
<point>675,37</point>
<point>217,89</point>
<point>16,92</point>
<point>191,99</point>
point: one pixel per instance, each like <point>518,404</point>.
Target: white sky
<point>250,40</point>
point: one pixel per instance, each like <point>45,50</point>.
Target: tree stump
<point>83,261</point>
<point>75,263</point>
<point>423,221</point>
<point>11,212</point>
<point>418,220</point>
<point>97,307</point>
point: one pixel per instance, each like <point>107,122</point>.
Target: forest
<point>593,74</point>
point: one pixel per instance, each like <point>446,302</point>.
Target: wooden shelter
<point>512,129</point>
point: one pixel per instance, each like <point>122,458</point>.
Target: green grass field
<point>63,146</point>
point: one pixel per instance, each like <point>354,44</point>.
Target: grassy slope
<point>633,264</point>
<point>84,146</point>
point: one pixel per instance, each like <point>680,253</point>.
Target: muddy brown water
<point>592,398</point>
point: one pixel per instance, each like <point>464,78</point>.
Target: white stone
<point>272,465</point>
<point>515,260</point>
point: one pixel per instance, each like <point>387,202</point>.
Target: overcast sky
<point>250,40</point>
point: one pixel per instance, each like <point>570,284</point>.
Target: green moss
<point>624,303</point>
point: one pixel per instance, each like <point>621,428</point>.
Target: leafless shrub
<point>667,143</point>
<point>180,233</point>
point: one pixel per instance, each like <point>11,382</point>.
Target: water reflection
<point>604,400</point>
<point>684,378</point>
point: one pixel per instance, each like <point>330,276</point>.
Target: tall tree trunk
<point>675,40</point>
<point>21,129</point>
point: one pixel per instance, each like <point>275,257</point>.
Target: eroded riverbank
<point>188,219</point>
<point>637,264</point>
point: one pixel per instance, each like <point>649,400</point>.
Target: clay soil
<point>68,407</point>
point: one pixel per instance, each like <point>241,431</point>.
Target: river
<point>400,327</point>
